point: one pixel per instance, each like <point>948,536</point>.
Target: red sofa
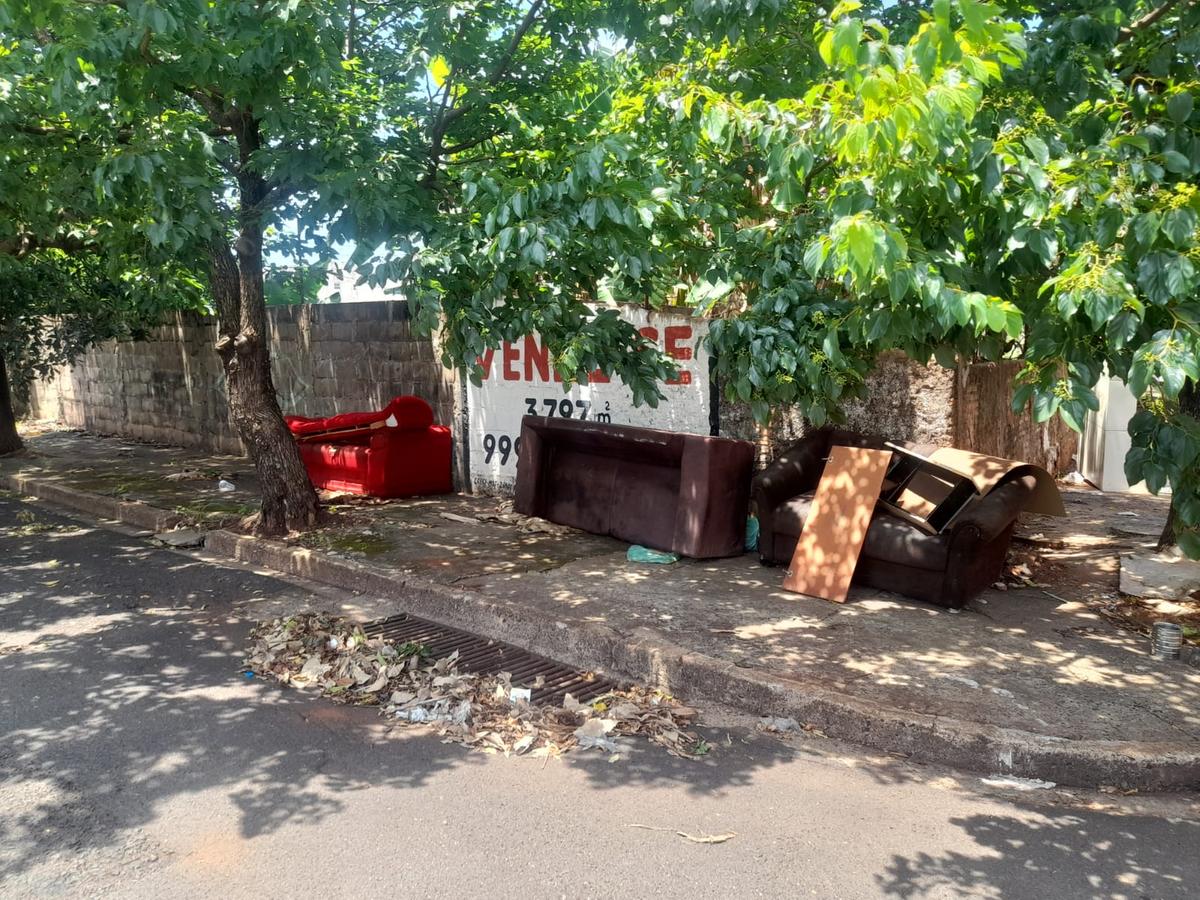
<point>393,452</point>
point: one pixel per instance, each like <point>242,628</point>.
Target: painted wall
<point>519,380</point>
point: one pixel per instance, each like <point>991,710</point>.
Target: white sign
<point>519,381</point>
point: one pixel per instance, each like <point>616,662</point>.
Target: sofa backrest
<point>670,491</point>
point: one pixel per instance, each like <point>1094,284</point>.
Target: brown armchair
<point>947,569</point>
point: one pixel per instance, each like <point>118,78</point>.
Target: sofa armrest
<point>714,495</point>
<point>796,471</point>
<point>988,519</point>
<point>526,497</point>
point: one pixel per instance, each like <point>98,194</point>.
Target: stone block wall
<point>905,401</point>
<point>967,408</point>
<point>333,358</point>
<point>170,388</point>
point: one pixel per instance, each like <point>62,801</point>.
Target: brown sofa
<point>684,493</point>
<point>947,569</point>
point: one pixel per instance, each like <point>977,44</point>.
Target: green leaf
<point>1038,148</point>
<point>789,193</point>
<point>1179,225</point>
<point>715,120</point>
<point>1155,477</point>
<point>1164,275</point>
<point>1179,106</point>
<point>1145,228</point>
<point>1045,405</point>
<point>993,177</point>
<point>1072,412</point>
<point>1021,397</point>
<point>946,356</point>
<point>860,236</point>
<point>815,256</point>
<point>1189,542</point>
<point>1176,162</point>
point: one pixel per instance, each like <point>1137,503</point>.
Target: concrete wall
<point>171,388</point>
<point>333,358</point>
<point>967,408</point>
<point>905,401</point>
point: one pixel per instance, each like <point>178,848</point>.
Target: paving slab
<point>1016,659</point>
<point>1162,576</point>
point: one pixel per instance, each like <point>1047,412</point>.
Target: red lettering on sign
<point>536,357</point>
<point>598,377</point>
<point>486,361</point>
<point>510,355</point>
<point>675,334</point>
<point>650,333</point>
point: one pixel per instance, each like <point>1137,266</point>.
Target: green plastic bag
<point>638,553</point>
<point>752,533</point>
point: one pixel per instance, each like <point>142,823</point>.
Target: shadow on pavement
<point>122,691</point>
<point>1112,856</point>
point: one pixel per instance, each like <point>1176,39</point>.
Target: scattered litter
<point>638,553</point>
<point>1074,477</point>
<point>594,733</point>
<point>455,517</point>
<point>504,515</point>
<point>1017,783</point>
<point>694,838</point>
<point>488,713</point>
<point>226,486</point>
<point>249,676</point>
<point>1002,692</point>
<point>186,475</point>
<point>1112,789</point>
<point>961,679</point>
<point>181,538</point>
<point>787,725</point>
<point>778,724</point>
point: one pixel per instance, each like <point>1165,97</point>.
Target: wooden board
<point>988,471</point>
<point>833,535</point>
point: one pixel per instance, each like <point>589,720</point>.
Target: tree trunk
<point>10,441</point>
<point>1189,404</point>
<point>289,501</point>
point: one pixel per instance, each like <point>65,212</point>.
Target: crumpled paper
<point>335,657</point>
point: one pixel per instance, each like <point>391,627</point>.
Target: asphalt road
<point>136,761</point>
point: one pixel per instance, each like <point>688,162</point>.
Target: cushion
<point>889,538</point>
<point>409,414</point>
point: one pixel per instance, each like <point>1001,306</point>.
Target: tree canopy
<point>953,179</point>
<point>956,179</point>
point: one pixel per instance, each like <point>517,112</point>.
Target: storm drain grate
<point>481,656</point>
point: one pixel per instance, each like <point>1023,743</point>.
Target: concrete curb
<point>648,657</point>
<point>135,513</point>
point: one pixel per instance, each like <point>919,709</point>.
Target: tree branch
<point>446,118</point>
<point>26,243</point>
<point>473,142</point>
<point>1150,18</point>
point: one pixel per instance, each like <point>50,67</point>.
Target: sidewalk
<point>1033,681</point>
